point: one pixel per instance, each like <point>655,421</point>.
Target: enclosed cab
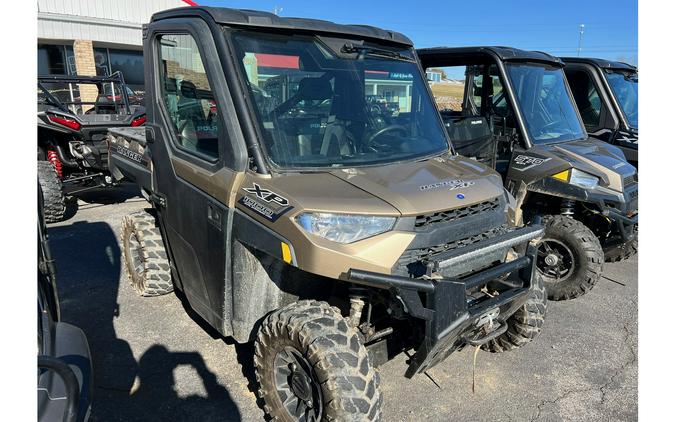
<point>513,111</point>
<point>293,213</point>
<point>606,94</point>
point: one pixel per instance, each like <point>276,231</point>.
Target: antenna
<point>581,35</point>
<point>278,10</point>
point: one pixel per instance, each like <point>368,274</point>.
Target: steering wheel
<point>542,130</point>
<point>384,130</point>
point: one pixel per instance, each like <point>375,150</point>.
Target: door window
<point>188,96</point>
<point>586,97</point>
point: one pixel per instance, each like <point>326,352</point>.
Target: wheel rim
<point>555,260</point>
<point>297,385</point>
<point>137,262</point>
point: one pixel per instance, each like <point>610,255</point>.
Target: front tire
<point>311,365</point>
<point>52,192</point>
<point>526,323</point>
<point>145,260</point>
<point>570,258</point>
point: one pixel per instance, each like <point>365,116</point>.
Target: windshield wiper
<point>374,52</point>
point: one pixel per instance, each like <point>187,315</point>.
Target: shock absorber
<point>53,158</point>
<point>567,208</point>
<point>356,302</point>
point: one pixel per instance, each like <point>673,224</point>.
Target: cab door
<point>198,159</point>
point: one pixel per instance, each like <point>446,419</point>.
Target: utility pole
<point>581,34</point>
<point>278,10</point>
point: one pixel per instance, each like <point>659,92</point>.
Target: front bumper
<point>452,317</point>
<point>621,208</point>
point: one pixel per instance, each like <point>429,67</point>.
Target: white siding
<point>107,21</point>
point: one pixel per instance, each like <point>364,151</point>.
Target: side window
<point>586,96</point>
<point>187,96</point>
<point>447,87</point>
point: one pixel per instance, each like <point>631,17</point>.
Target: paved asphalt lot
<point>155,361</point>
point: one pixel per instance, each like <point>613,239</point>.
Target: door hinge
<point>160,201</point>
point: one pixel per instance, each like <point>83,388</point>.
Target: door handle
<point>214,216</point>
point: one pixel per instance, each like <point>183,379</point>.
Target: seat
<point>472,137</point>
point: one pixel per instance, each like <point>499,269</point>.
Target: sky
<point>610,26</point>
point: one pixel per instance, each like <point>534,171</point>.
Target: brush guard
<point>452,317</point>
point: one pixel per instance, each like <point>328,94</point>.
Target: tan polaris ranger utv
<point>513,110</point>
<point>294,214</point>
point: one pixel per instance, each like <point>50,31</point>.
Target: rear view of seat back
<point>472,137</point>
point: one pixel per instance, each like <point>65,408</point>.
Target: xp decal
<point>267,195</point>
<point>273,207</point>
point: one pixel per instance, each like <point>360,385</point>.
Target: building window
<point>128,62</point>
<point>56,60</point>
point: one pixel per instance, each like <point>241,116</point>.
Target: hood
<point>432,185</point>
<point>595,157</point>
<point>406,189</point>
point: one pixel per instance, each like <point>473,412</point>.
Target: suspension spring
<point>567,208</point>
<point>53,158</point>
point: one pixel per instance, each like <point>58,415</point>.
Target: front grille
<point>415,257</point>
<point>630,180</point>
<point>426,220</point>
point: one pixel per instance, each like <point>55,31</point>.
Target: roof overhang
<point>458,56</point>
<point>270,21</point>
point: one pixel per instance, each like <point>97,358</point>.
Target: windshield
<point>545,103</point>
<point>330,103</point>
<point>625,88</point>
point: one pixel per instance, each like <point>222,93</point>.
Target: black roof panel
<point>501,53</point>
<point>257,19</point>
<point>602,63</point>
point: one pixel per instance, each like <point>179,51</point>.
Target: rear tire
<point>306,352</point>
<point>145,260</point>
<point>526,323</point>
<point>577,256</point>
<point>52,192</point>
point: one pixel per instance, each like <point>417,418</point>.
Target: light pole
<point>581,34</point>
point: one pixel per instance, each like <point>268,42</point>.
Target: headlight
<point>583,179</point>
<point>344,228</point>
<point>578,178</point>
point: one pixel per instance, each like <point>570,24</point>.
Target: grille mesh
<point>427,254</point>
<point>426,220</point>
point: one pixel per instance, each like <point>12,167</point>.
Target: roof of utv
<point>257,19</point>
<point>448,56</point>
<point>601,63</point>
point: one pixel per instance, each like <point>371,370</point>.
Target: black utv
<point>516,114</point>
<point>606,93</point>
<point>73,118</point>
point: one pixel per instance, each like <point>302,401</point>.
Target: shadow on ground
<point>88,272</point>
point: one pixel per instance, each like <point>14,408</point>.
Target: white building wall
<point>117,22</point>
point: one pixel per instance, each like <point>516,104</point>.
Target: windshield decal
<point>526,162</point>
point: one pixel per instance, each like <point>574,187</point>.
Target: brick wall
<point>86,66</point>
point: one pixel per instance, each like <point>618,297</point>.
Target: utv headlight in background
<point>578,178</point>
<point>583,179</point>
<point>344,228</point>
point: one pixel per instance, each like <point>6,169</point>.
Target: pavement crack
<point>603,388</point>
<point>631,361</point>
<point>540,406</point>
